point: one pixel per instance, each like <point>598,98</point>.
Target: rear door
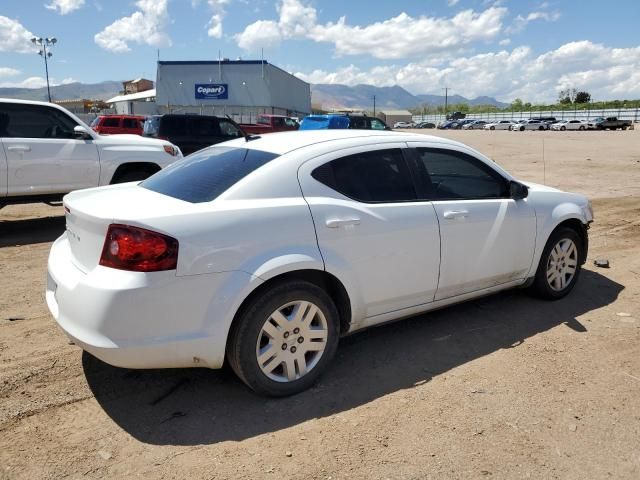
<point>131,126</point>
<point>43,155</point>
<point>371,228</point>
<point>110,125</point>
<point>487,237</point>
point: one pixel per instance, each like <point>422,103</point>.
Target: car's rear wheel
<point>581,127</point>
<point>284,339</point>
<point>560,265</point>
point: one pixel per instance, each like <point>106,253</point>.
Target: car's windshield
<point>206,174</point>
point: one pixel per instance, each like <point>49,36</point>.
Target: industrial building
<point>241,89</point>
<point>392,116</point>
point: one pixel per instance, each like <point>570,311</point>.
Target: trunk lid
<point>90,212</point>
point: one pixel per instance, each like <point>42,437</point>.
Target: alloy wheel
<point>292,341</point>
<point>562,264</point>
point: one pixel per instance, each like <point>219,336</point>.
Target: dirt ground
<point>503,387</point>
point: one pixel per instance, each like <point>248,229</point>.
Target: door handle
<point>342,222</point>
<point>455,214</point>
<point>19,148</point>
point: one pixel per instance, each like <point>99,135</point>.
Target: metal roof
<point>133,96</point>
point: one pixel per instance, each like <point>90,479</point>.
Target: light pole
<point>446,100</point>
<point>43,43</point>
<point>374,105</point>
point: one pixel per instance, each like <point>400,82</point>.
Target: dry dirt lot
<point>503,387</point>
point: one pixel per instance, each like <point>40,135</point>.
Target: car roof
<point>285,142</point>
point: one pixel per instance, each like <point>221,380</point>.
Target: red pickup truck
<point>270,123</point>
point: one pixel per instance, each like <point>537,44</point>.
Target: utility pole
<point>446,101</point>
<point>44,43</point>
<point>374,105</point>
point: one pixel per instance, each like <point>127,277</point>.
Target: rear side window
<point>111,122</point>
<point>376,176</point>
<point>228,129</point>
<point>205,175</point>
<point>130,123</point>
<point>203,127</point>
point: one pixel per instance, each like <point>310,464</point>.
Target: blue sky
<point>502,48</point>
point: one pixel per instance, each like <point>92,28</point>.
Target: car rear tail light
<point>138,250</point>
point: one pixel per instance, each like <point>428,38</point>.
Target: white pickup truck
<point>46,152</point>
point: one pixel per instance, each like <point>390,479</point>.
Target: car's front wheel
<point>284,339</point>
<point>560,265</point>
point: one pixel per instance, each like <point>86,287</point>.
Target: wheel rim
<point>562,265</point>
<point>292,341</point>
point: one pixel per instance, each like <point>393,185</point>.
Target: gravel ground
<point>503,387</point>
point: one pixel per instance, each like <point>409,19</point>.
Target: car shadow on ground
<point>198,406</point>
<point>33,230</point>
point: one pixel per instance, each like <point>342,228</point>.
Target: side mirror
<point>517,190</point>
<point>81,133</point>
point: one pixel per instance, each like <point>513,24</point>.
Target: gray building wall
<point>253,87</point>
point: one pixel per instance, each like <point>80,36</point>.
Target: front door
<point>487,237</point>
<point>371,228</point>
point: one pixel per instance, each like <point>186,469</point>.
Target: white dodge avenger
<point>264,251</point>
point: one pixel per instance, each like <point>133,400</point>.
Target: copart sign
<point>212,91</point>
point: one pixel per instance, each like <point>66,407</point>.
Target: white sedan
<point>501,125</point>
<point>570,125</point>
<point>265,251</point>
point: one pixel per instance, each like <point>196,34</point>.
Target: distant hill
<point>327,95</point>
<point>361,96</point>
<point>70,91</point>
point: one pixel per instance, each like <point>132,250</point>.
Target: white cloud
<point>603,71</point>
<point>8,72</point>
<point>521,22</point>
<point>30,82</point>
<point>398,37</point>
<point>36,82</point>
<point>145,26</point>
<point>63,7</point>
<point>214,26</point>
<point>14,37</point>
<point>452,3</point>
<point>263,33</point>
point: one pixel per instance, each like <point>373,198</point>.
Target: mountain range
<point>327,96</point>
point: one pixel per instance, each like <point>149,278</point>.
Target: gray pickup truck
<point>609,123</point>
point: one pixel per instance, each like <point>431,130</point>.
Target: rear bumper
<point>141,320</point>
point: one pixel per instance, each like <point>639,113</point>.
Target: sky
<point>527,49</point>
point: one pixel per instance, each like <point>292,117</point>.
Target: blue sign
<point>212,91</point>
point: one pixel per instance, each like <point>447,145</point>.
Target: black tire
<point>581,127</point>
<point>131,176</point>
<point>563,128</point>
<point>541,128</point>
<point>247,328</point>
<point>541,286</point>
<point>492,128</point>
<point>522,129</point>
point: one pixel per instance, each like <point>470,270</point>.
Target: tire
<point>522,129</point>
<point>131,176</point>
<point>554,278</point>
<point>581,128</point>
<point>540,128</point>
<point>256,331</point>
<point>492,128</point>
<point>563,128</point>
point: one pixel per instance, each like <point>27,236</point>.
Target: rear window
<point>205,175</point>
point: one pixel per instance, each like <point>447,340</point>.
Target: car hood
<point>129,139</point>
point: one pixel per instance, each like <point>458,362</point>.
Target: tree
<point>567,96</point>
<point>583,97</point>
<point>517,105</point>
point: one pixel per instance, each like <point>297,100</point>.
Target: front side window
<point>452,175</point>
<point>376,176</point>
<point>130,123</point>
<point>34,121</point>
<point>205,175</point>
<point>377,124</point>
<point>228,129</point>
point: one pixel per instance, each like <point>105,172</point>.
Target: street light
<point>43,43</point>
